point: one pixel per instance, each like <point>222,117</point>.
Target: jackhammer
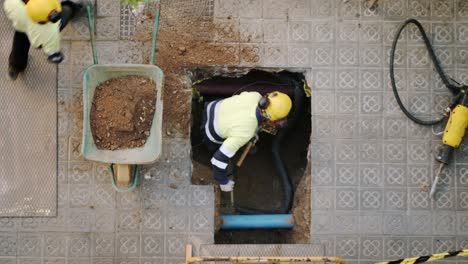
<point>457,111</point>
<point>453,135</point>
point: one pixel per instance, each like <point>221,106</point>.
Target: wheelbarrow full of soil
<point>122,118</point>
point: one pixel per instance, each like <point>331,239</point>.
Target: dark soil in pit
<point>122,112</point>
<point>258,186</point>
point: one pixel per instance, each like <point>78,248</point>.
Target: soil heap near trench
<point>184,40</point>
<point>122,112</point>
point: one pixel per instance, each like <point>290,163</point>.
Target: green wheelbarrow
<point>122,160</point>
<point>124,163</point>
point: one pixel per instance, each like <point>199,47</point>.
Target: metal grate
<point>283,250</point>
<point>192,8</point>
<point>127,23</point>
<point>200,9</point>
<point>28,134</point>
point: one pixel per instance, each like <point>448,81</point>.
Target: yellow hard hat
<point>41,11</point>
<point>278,105</point>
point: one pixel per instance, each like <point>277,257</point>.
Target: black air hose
<point>280,167</point>
<point>453,89</point>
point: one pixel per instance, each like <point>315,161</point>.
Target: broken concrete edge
<point>197,73</point>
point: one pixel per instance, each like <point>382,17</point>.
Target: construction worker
<point>230,123</point>
<point>37,23</point>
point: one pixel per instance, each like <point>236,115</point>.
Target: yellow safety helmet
<point>276,105</point>
<point>43,11</point>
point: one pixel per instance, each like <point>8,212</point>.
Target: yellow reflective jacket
<point>230,123</point>
<point>236,120</point>
<point>46,35</point>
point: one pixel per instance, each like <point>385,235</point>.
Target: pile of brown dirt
<point>122,112</point>
<point>185,41</point>
<point>301,211</point>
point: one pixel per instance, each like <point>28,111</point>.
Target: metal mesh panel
<point>127,23</point>
<point>28,134</point>
<point>193,8</point>
<point>284,250</point>
<point>200,9</point>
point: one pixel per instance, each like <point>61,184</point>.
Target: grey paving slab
<point>370,165</point>
<point>28,173</point>
<point>94,223</point>
<point>78,29</point>
<point>386,166</point>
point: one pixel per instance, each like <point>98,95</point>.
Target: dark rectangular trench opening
<point>257,182</point>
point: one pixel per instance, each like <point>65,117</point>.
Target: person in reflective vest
<point>230,123</point>
<point>38,24</point>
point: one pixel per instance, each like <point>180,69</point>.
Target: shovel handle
<point>434,186</point>
<point>232,198</point>
<point>244,154</point>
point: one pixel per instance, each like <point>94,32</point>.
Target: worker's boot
<point>72,2</point>
<point>13,73</point>
<point>70,10</point>
<point>79,6</point>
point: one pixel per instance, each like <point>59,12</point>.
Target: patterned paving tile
<point>371,167</point>
<point>347,247</point>
<point>153,221</point>
<point>30,244</point>
<point>102,244</point>
<point>108,8</point>
<point>175,245</point>
<point>108,28</point>
<point>152,245</point>
<point>371,248</point>
<point>79,245</point>
<point>128,245</point>
<point>55,245</point>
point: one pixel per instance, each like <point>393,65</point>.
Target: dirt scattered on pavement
<point>217,217</point>
<point>122,112</point>
<point>185,41</point>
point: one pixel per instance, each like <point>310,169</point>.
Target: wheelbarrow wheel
<point>123,175</point>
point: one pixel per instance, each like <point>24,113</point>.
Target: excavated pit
<point>257,182</point>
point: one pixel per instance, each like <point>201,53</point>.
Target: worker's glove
<point>228,187</point>
<point>56,57</point>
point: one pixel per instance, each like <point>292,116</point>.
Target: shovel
<point>238,165</point>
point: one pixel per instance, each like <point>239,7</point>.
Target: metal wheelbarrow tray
<point>150,151</point>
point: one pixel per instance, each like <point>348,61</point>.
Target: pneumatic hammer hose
<point>280,166</point>
<point>453,89</point>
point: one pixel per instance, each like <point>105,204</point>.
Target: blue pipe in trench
<point>264,221</point>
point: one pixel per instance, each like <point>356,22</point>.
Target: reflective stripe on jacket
<point>231,122</point>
